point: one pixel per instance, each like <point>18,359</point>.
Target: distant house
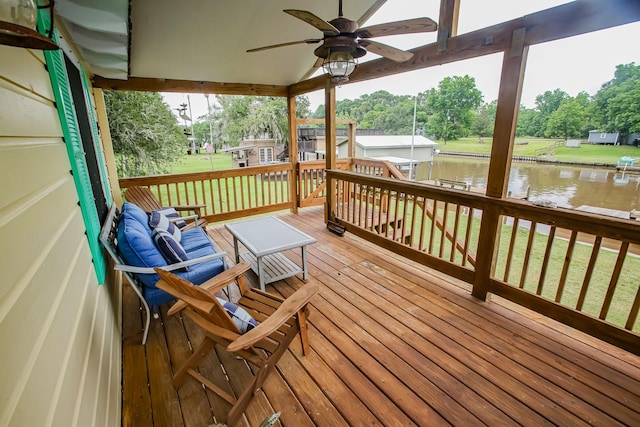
<point>633,139</point>
<point>394,148</point>
<point>312,141</point>
<point>598,137</point>
<point>254,152</point>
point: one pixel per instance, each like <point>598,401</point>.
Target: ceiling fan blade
<point>408,26</point>
<point>314,20</point>
<point>387,51</point>
<point>307,41</point>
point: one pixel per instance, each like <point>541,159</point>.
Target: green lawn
<point>586,153</point>
<point>202,162</point>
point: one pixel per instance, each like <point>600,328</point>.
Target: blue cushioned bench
<point>129,240</point>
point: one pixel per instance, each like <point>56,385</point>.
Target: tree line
<point>147,137</point>
<point>456,109</point>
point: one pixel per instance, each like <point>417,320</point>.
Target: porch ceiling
<point>199,40</point>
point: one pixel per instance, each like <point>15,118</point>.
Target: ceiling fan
<point>343,42</point>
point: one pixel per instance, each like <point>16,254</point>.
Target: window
<point>266,155</point>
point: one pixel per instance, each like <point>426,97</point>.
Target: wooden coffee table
<point>265,239</point>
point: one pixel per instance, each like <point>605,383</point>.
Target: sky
<point>576,64</point>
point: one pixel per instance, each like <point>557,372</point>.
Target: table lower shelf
<point>274,266</point>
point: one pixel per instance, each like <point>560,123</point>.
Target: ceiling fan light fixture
<point>18,25</point>
<point>339,65</point>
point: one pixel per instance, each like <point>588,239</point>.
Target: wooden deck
<point>393,343</point>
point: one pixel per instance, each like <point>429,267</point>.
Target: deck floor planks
<point>398,330</point>
<point>565,397</point>
<point>488,356</point>
<point>354,395</point>
<point>322,409</point>
<point>508,348</point>
<point>355,275</point>
<point>135,393</point>
<point>595,397</point>
<point>192,397</point>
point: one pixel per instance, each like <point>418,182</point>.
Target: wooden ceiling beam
<point>567,20</point>
<point>188,86</point>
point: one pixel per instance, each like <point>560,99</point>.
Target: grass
<point>586,153</point>
<point>201,163</point>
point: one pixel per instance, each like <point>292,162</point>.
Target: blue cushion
<point>136,246</point>
<point>135,243</point>
<point>239,315</point>
<point>172,213</point>
<point>159,221</point>
<point>136,213</point>
<point>195,239</point>
<point>171,249</point>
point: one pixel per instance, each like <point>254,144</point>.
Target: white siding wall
<point>60,353</point>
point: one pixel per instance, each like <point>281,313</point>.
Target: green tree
<point>618,101</point>
<point>570,119</point>
<point>453,104</point>
<point>255,117</point>
<point>546,104</point>
<point>485,120</point>
<point>145,135</point>
<point>395,118</point>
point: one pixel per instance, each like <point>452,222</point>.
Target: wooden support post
<point>504,131</point>
<point>351,143</point>
<point>293,153</point>
<point>513,67</point>
<point>448,22</point>
<point>330,145</point>
<point>107,146</point>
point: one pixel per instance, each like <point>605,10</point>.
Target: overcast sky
<point>581,63</point>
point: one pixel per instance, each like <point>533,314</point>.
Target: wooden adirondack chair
<point>147,201</point>
<point>280,320</point>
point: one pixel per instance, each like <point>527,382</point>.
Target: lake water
<point>568,187</point>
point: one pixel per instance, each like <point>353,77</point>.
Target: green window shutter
<point>68,120</point>
<point>96,140</point>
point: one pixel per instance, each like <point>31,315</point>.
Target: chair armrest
<point>183,218</point>
<point>289,308</point>
<point>216,283</point>
<point>195,208</point>
<point>188,207</point>
<point>170,267</point>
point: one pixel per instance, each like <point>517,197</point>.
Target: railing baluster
<point>587,276</point>
<point>414,220</point>
<point>622,253</point>
<point>467,237</point>
<point>219,182</point>
<point>423,227</point>
<point>445,216</point>
<point>545,261</point>
<point>565,265</point>
<point>433,226</point>
<point>512,241</point>
<point>396,214</point>
<point>455,233</point>
<point>527,255</point>
<point>633,313</point>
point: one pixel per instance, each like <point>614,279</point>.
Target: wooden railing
<point>236,193</point>
<point>312,181</point>
<point>227,194</point>
<point>575,267</point>
<point>312,178</point>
